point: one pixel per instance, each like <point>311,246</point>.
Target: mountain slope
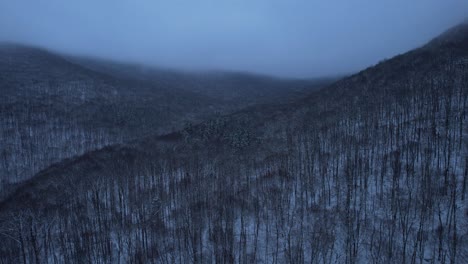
<point>52,107</point>
<point>229,87</point>
<point>371,169</point>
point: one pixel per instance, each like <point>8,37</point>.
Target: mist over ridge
<point>285,38</point>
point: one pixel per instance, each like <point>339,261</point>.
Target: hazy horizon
<point>300,39</point>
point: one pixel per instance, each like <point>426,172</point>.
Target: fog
<point>288,38</point>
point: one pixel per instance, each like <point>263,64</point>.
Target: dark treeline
<point>373,169</point>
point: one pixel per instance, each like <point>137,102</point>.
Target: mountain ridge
<point>52,102</point>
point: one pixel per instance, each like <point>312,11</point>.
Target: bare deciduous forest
<point>372,168</point>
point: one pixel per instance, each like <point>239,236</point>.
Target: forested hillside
<point>52,107</point>
<point>372,169</point>
<point>233,88</point>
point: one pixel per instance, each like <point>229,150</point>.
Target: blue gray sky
<point>289,38</point>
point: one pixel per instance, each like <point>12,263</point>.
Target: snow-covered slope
<point>372,169</point>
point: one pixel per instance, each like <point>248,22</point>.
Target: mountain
<point>454,38</point>
<point>229,87</point>
<point>372,168</point>
<point>54,106</point>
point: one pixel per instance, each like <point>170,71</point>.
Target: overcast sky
<point>296,38</point>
